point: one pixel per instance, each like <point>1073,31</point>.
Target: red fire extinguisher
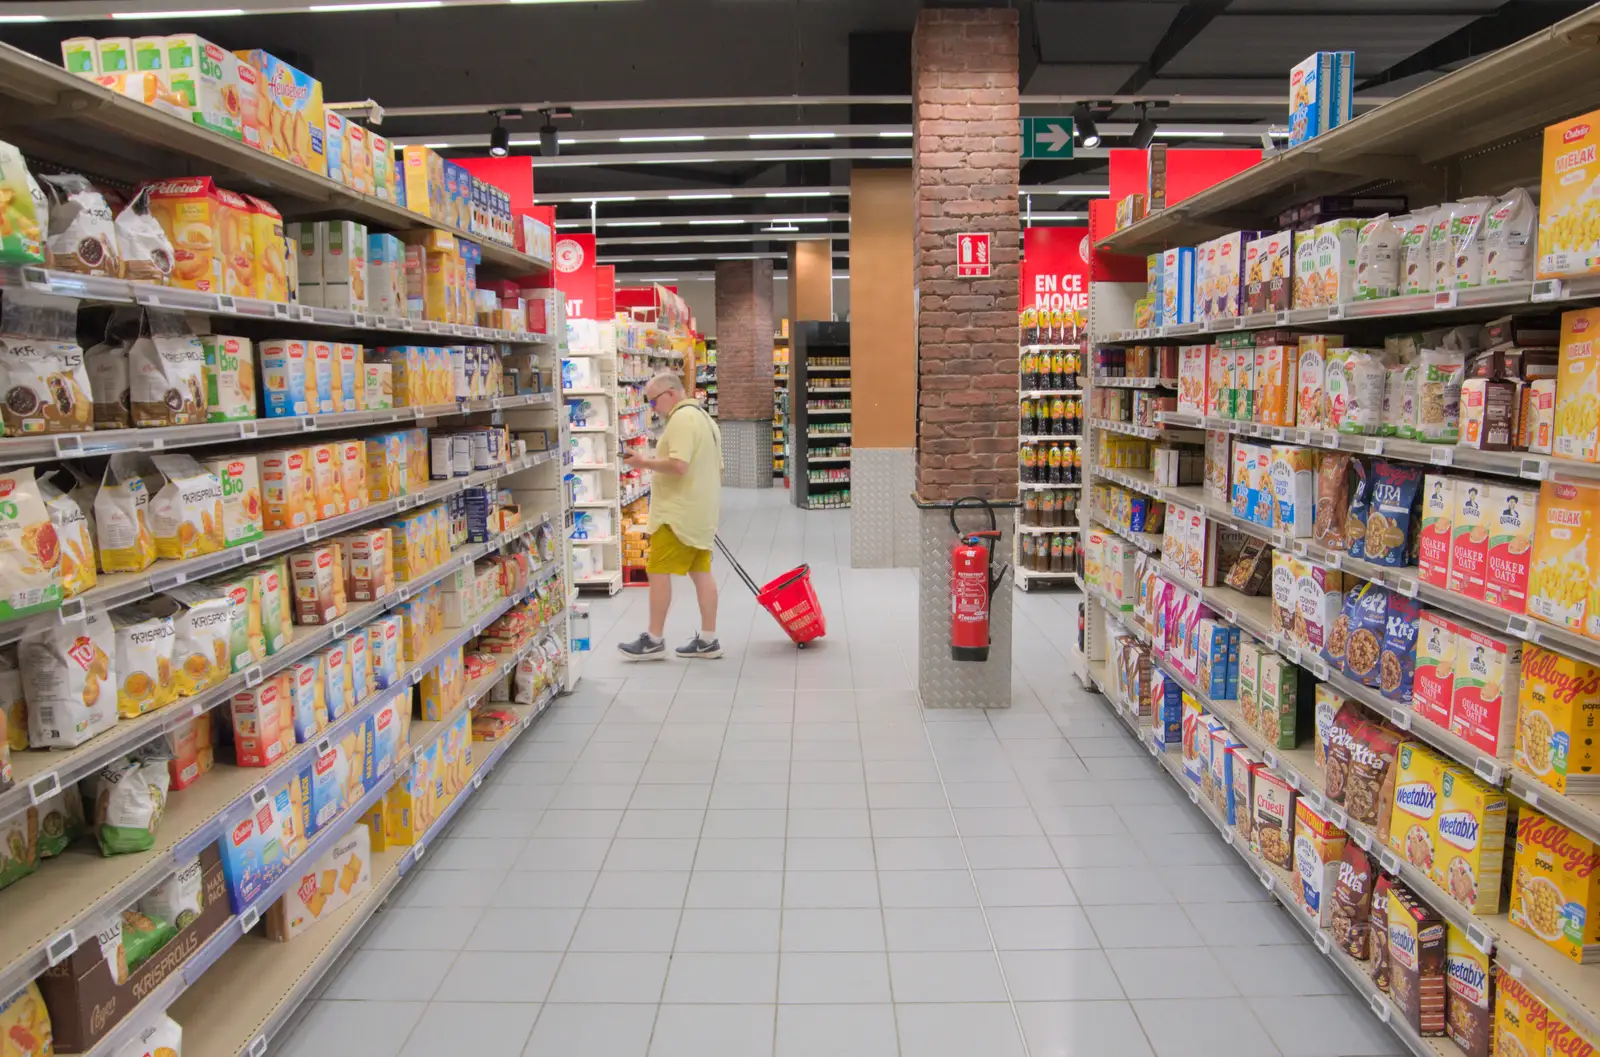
<point>973,580</point>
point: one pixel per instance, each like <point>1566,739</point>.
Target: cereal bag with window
<point>185,517</point>
<point>1352,901</point>
<point>72,534</point>
<point>1398,655</point>
<point>82,233</point>
<point>1393,508</point>
<point>68,680</point>
<point>145,644</point>
<point>30,548</point>
<point>130,797</point>
<point>121,517</point>
<point>44,387</point>
<point>167,372</point>
<point>1367,615</point>
<point>203,620</point>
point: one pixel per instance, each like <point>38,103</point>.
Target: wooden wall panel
<point>883,347</point>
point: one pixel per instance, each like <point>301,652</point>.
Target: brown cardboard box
<point>84,1000</point>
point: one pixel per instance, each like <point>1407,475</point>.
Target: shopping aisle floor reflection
<point>779,854</point>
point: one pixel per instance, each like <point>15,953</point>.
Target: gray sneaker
<point>699,648</point>
<point>644,648</point>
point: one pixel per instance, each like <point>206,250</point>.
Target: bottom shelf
<point>610,582</point>
<point>252,993</point>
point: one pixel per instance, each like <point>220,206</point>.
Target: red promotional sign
<point>575,275</point>
<point>972,256</point>
<point>1055,270</point>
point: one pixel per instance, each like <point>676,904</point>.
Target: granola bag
<point>121,517</point>
<point>1397,659</point>
<point>1439,395</point>
<point>68,680</point>
<point>1378,257</point>
<point>1508,237</point>
<point>179,899</point>
<point>142,243</point>
<point>82,233</point>
<point>72,534</point>
<point>130,796</point>
<point>60,821</point>
<point>43,385</point>
<point>1367,374</point>
<point>1392,513</point>
<point>145,642</point>
<point>186,515</point>
<point>1333,499</point>
<point>1467,242</point>
<point>167,372</point>
<point>30,548</point>
<point>1416,272</point>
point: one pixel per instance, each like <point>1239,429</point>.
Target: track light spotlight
<point>1144,133</point>
<point>499,140</point>
<point>1088,131</point>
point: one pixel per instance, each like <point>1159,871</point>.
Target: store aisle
<point>778,854</point>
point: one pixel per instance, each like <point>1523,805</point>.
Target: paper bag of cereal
<point>72,534</point>
<point>30,549</point>
<point>68,681</point>
<point>186,515</point>
<point>167,372</point>
<point>82,238</point>
<point>43,385</point>
<point>202,619</point>
<point>145,642</point>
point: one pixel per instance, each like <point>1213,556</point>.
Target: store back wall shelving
<point>819,415</point>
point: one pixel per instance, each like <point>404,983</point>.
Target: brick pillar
<point>744,372</point>
<point>965,158</point>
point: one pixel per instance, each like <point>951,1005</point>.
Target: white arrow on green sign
<point>1046,137</point>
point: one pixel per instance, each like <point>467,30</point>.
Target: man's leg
<point>660,602</point>
<point>705,590</point>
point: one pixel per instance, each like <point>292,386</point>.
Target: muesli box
<point>1273,810</point>
<point>1318,850</point>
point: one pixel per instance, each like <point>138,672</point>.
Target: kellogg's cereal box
<point>1569,213</point>
<point>1558,713</point>
<point>1555,888</point>
<point>1521,1019</point>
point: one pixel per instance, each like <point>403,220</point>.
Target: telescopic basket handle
<point>728,554</point>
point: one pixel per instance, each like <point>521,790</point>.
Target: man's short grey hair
<point>665,382</point>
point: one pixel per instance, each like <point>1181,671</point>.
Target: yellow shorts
<point>668,555</point>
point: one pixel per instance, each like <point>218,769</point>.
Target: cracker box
<point>1512,515</point>
<point>1486,686</point>
<point>288,378</point>
<point>343,873</point>
<point>1433,538</point>
<point>338,695</point>
<point>1577,434</point>
<point>347,363</point>
<point>336,148</point>
<point>327,492</point>
<point>318,587</point>
<point>1469,539</point>
<point>1318,849</point>
<point>1538,419</point>
<point>1292,473</point>
<point>263,723</point>
<point>321,365</point>
<point>290,112</point>
<point>1417,956</point>
<point>385,735</point>
<point>286,489</point>
<point>306,700</point>
<point>230,378</point>
<point>1472,839</point>
<point>1521,1019</point>
<point>383,649</point>
<point>1555,886</point>
<point>1413,822</point>
<point>1433,682</point>
<point>384,185</point>
<point>1558,714</point>
<point>1274,800</point>
<point>1558,586</point>
<point>352,459</point>
<point>1569,238</point>
<point>360,655</point>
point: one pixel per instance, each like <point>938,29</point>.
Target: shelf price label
<point>1444,300</point>
<point>1546,290</point>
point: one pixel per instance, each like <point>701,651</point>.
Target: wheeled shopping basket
<point>790,598</point>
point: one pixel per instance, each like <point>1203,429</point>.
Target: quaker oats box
<point>1433,681</point>
<point>1433,540</point>
<point>1512,517</point>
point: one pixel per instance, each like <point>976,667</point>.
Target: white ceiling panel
<point>1077,31</point>
<point>1258,44</point>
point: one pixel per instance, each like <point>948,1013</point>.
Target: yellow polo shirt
<point>690,503</point>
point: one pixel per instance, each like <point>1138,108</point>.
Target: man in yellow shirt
<point>685,500</point>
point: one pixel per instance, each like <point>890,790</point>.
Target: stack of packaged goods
<point>635,541</point>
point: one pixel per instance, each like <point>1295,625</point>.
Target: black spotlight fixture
<point>1144,133</point>
<point>499,139</point>
<point>549,142</point>
<point>1088,131</point>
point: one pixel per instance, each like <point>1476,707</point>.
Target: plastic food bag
<point>145,250</point>
<point>145,642</point>
<point>121,517</point>
<point>167,372</point>
<point>1439,395</point>
<point>82,236</point>
<point>107,366</point>
<point>185,517</point>
<point>43,385</point>
<point>202,656</point>
<point>19,846</point>
<point>69,682</point>
<point>1466,242</point>
<point>130,796</point>
<point>1378,258</point>
<point>179,899</point>
<point>1368,376</point>
<point>1508,238</point>
<point>60,822</point>
<point>164,1038</point>
<point>1416,272</point>
<point>77,570</point>
<point>30,550</point>
<point>25,1024</point>
<point>12,700</point>
<point>23,212</point>
<point>142,936</point>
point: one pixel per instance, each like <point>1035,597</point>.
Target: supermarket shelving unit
<point>705,378</point>
<point>234,991</point>
<point>595,436</point>
<point>1027,578</point>
<point>1476,130</point>
<point>780,406</point>
<point>819,376</point>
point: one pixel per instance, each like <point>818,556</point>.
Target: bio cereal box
<point>1569,210</point>
<point>1578,387</point>
<point>1469,539</point>
<point>242,518</point>
<point>1486,685</point>
<point>206,78</point>
<point>1433,682</point>
<point>1558,586</point>
<point>1555,886</point>
<point>1558,716</point>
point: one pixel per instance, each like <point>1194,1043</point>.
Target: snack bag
<point>23,211</point>
<point>202,649</point>
<point>107,368</point>
<point>82,236</point>
<point>25,1022</point>
<point>145,643</point>
<point>65,671</point>
<point>142,243</point>
<point>30,548</point>
<point>185,517</point>
<point>167,372</point>
<point>44,387</point>
<point>130,796</point>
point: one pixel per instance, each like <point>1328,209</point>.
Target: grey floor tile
<point>626,929</point>
<point>829,853</point>
<point>742,823</point>
<point>833,978</point>
<point>1226,883</point>
<point>563,853</point>
<point>740,853</point>
<point>1289,970</point>
<point>422,928</point>
<point>927,888</point>
<point>1077,1029</point>
<point>1144,925</point>
<point>652,853</point>
<point>958,1029</point>
<point>1092,850</point>
<point>590,797</point>
<point>610,978</point>
<point>735,888</point>
<point>1204,1027</point>
<point>919,853</point>
<point>1024,888</point>
<point>1181,972</point>
<point>661,823</point>
<point>1009,853</point>
<point>566,1030</point>
<point>836,1031</point>
<point>1109,884</point>
<point>406,976</point>
<point>360,1029</point>
<point>1054,976</point>
<point>858,929</point>
<point>499,976</point>
<point>740,930</point>
<point>640,888</point>
<point>937,929</point>
<point>524,930</point>
<point>827,796</point>
<point>544,888</point>
<point>489,1029</point>
<point>1327,1026</point>
<point>1041,928</point>
<point>450,888</point>
<point>722,977</point>
<point>901,794</point>
<point>946,976</point>
<point>1230,924</point>
<point>828,823</point>
<point>727,1030</point>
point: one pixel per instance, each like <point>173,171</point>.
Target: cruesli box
<point>1273,818</point>
<point>1318,850</point>
<point>1569,214</point>
<point>1558,715</point>
<point>1417,948</point>
<point>1555,886</point>
<point>1472,839</point>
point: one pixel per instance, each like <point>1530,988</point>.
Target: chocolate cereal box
<point>1417,947</point>
<point>1467,1006</point>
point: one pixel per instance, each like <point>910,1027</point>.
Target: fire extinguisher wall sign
<point>972,585</point>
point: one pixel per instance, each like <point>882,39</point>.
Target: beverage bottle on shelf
<point>1029,469</point>
<point>1072,417</point>
<point>1027,550</point>
<point>1030,371</point>
<point>1025,423</point>
<point>1058,417</point>
<point>1074,466</point>
<point>1053,474</point>
<point>1071,378</point>
<point>1048,371</point>
<point>1056,555</point>
<point>1030,508</point>
<point>1047,509</point>
<point>1070,554</point>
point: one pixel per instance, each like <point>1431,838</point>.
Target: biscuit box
<point>267,837</point>
<point>1558,712</point>
<point>290,112</point>
<point>1472,840</point>
<point>82,992</point>
<point>343,873</point>
<point>1555,887</point>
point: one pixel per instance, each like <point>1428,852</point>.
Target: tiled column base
<point>883,520</point>
<point>746,454</point>
<point>946,683</point>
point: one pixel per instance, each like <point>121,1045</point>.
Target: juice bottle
<point>1028,466</point>
<point>1070,554</point>
<point>1030,368</point>
<point>1075,468</point>
<point>1058,417</point>
<point>1057,557</point>
<point>1030,508</point>
<point>1055,464</point>
<point>1047,509</point>
<point>1025,422</point>
<point>1027,550</point>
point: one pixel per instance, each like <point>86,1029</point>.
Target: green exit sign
<point>1046,137</point>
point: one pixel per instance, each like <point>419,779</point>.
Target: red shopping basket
<point>790,598</point>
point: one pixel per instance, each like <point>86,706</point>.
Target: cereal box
<point>1305,288</point>
<point>1539,415</point>
<point>1177,286</point>
<point>1218,395</point>
<point>1311,97</point>
<point>1276,700</point>
<point>1433,682</point>
<point>1336,259</point>
<point>1472,839</point>
<point>1565,1039</point>
<point>1249,681</point>
<point>1242,380</point>
<point>1274,384</point>
<point>1220,786</point>
<point>1433,540</point>
<point>1467,1012</point>
<point>1417,957</point>
<point>1555,888</point>
<point>1313,353</point>
<point>1413,823</point>
<point>1192,378</point>
<point>206,78</point>
<point>1326,706</point>
<point>1521,1019</point>
<point>1292,473</point>
<point>383,168</point>
<point>1469,539</point>
<point>1274,818</point>
<point>1578,387</point>
<point>1558,712</point>
<point>1318,849</point>
<point>286,489</point>
<point>1319,597</point>
<point>1512,513</point>
<point>1486,684</point>
<point>1569,235</point>
<point>1558,586</point>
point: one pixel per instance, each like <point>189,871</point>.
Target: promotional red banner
<point>575,275</point>
<point>1055,269</point>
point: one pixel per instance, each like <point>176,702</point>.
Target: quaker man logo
<point>569,256</point>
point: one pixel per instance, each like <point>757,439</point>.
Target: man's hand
<point>637,461</point>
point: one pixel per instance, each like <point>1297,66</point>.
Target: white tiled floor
<point>779,854</point>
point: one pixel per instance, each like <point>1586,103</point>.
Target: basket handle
<point>799,574</point>
<point>728,554</point>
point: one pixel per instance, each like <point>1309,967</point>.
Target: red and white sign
<point>973,259</point>
<point>575,275</point>
<point>1055,269</point>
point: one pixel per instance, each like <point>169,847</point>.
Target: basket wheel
<point>801,645</point>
